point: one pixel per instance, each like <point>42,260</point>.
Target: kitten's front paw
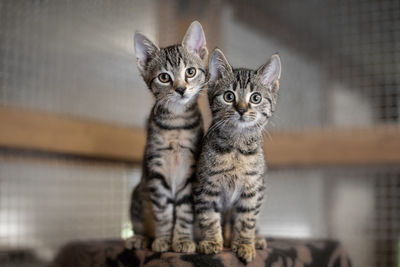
<point>210,247</point>
<point>260,243</point>
<point>161,245</point>
<point>185,246</point>
<point>245,252</point>
<point>137,242</point>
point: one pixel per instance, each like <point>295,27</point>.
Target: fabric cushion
<point>280,252</point>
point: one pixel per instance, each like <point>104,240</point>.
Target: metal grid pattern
<point>366,38</point>
<point>358,206</point>
<point>341,68</point>
<point>386,222</point>
<point>74,58</point>
<point>46,203</point>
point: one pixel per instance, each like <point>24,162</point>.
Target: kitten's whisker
<point>217,125</point>
<point>213,127</point>
<point>269,136</point>
<point>267,132</point>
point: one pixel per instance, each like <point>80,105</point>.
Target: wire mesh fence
<point>340,68</point>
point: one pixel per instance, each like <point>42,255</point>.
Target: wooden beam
<point>40,131</point>
<point>334,146</point>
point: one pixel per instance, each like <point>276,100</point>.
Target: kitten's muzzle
<point>241,108</point>
<point>180,90</point>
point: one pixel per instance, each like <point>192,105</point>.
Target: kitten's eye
<point>164,77</point>
<point>190,72</point>
<point>255,98</point>
<point>229,96</point>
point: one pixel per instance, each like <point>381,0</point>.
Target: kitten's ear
<point>195,41</point>
<point>218,65</point>
<point>144,50</point>
<point>270,73</point>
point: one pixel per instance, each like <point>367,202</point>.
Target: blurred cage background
<point>341,68</point>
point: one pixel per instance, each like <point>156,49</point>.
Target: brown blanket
<point>280,252</point>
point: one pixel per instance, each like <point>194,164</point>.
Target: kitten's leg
<point>247,209</point>
<point>139,240</point>
<point>208,214</point>
<point>260,242</point>
<point>162,207</point>
<point>138,214</point>
<point>182,240</point>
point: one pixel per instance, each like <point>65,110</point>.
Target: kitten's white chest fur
<point>231,196</point>
<point>234,181</point>
<point>179,159</point>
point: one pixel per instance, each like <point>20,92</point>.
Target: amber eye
<point>255,98</point>
<point>164,77</point>
<point>229,96</point>
<point>190,72</point>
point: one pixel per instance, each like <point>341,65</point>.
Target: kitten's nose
<point>180,90</point>
<point>241,111</point>
<point>241,108</point>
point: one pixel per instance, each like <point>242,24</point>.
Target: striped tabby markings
<point>230,185</point>
<point>175,75</point>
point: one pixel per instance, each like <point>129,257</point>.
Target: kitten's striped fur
<point>161,206</point>
<point>231,165</point>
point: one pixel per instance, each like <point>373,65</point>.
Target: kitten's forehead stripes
<point>173,56</point>
<point>234,86</point>
<point>243,78</point>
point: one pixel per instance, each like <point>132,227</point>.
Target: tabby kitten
<point>161,204</point>
<point>231,164</point>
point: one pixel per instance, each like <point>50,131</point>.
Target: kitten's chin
<point>176,107</point>
<point>243,126</point>
<point>179,105</point>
